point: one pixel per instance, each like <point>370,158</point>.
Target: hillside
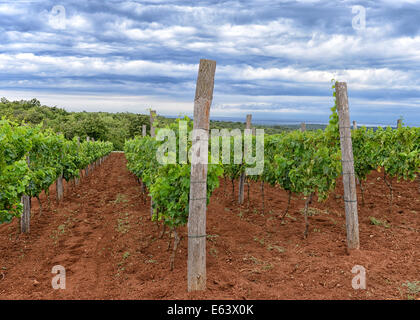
<point>114,127</point>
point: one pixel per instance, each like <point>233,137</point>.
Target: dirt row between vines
<point>102,234</point>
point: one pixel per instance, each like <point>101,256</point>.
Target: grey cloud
<point>303,36</point>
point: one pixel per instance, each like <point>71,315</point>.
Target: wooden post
<point>93,165</point>
<point>302,126</point>
<point>143,189</point>
<point>151,207</point>
<point>243,176</point>
<point>399,123</point>
<point>248,121</point>
<point>152,134</point>
<point>59,187</point>
<point>87,167</point>
<point>59,183</point>
<point>77,180</point>
<point>197,275</point>
<point>25,219</point>
<point>254,133</point>
<point>354,125</point>
<point>349,181</point>
<point>152,119</point>
<point>418,181</point>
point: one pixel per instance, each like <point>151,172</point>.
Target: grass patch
<point>123,224</point>
<point>120,264</point>
<point>378,222</point>
<point>57,233</point>
<point>214,252</point>
<point>313,211</point>
<point>261,265</point>
<point>290,217</point>
<point>260,241</point>
<point>121,198</point>
<point>274,247</point>
<point>412,289</point>
<point>212,237</point>
<point>150,261</point>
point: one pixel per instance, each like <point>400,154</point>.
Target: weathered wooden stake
<point>254,133</point>
<point>152,119</point>
<point>87,167</point>
<point>144,133</point>
<point>77,180</point>
<point>93,164</point>
<point>197,275</point>
<point>243,176</point>
<point>248,121</point>
<point>59,187</point>
<point>59,183</point>
<point>349,181</point>
<point>354,125</point>
<point>418,181</point>
<point>302,126</point>
<point>152,134</point>
<point>25,219</point>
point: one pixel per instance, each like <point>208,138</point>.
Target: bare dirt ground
<point>102,234</point>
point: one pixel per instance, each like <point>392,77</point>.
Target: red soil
<point>102,234</point>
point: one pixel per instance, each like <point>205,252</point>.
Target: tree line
<point>114,127</point>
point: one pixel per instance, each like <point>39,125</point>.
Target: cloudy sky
<point>275,59</point>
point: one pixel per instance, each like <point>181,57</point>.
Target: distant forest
<point>114,127</point>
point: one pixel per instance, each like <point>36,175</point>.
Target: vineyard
<point>33,159</point>
<point>102,233</point>
<point>304,164</point>
<point>125,224</point>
